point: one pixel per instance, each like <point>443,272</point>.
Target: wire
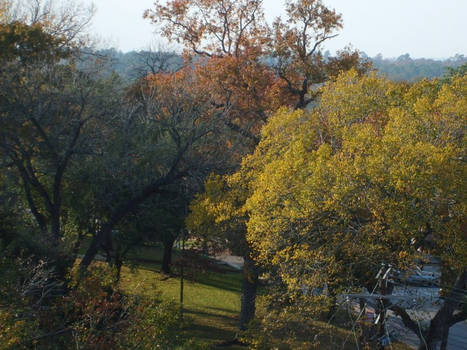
<point>354,323</point>
<point>353,330</point>
<point>421,334</point>
<point>387,333</point>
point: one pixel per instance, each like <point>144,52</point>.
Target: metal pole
<point>182,274</point>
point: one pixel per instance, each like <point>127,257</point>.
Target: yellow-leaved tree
<point>374,173</point>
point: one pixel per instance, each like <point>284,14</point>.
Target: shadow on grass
<point>207,326</point>
<point>153,266</point>
<point>229,281</point>
<point>213,315</point>
<point>229,311</point>
<point>207,332</point>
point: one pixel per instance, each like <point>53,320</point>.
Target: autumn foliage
<point>252,68</point>
<point>373,173</point>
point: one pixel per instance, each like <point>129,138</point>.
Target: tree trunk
<point>249,287</point>
<point>118,266</point>
<point>103,234</point>
<point>55,225</point>
<point>438,327</point>
<point>167,256</point>
<point>118,259</point>
<point>444,319</point>
<point>444,341</point>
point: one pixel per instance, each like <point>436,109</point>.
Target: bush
<point>154,325</point>
<point>91,312</point>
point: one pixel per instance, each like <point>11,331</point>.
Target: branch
<point>31,175</point>
<point>39,217</point>
<point>243,27</point>
<point>290,86</point>
<point>44,135</point>
<point>319,42</point>
<point>242,131</point>
<point>406,319</point>
<point>459,317</point>
<point>131,205</point>
<point>26,182</point>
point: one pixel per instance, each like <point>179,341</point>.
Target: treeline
<point>134,64</point>
<point>405,68</point>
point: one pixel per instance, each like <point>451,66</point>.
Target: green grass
<point>211,300</point>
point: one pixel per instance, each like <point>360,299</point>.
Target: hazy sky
<point>422,28</point>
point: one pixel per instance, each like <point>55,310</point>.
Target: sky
<point>422,28</point>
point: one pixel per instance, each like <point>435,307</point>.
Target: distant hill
<point>405,68</point>
<point>135,64</point>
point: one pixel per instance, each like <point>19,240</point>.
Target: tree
<point>167,127</point>
<point>67,23</point>
<point>29,43</point>
<point>250,68</point>
<point>368,171</point>
<point>436,183</point>
<point>155,60</point>
<point>50,113</point>
<point>160,220</point>
<point>295,49</point>
<point>212,28</point>
<point>227,36</point>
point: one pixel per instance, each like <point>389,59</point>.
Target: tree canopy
<point>375,173</point>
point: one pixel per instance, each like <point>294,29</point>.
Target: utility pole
<point>380,311</point>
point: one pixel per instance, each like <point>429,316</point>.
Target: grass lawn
<point>211,300</point>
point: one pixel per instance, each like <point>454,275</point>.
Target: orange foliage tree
<point>227,42</point>
<point>250,67</point>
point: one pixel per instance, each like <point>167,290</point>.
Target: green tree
<point>50,113</point>
<point>164,141</point>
